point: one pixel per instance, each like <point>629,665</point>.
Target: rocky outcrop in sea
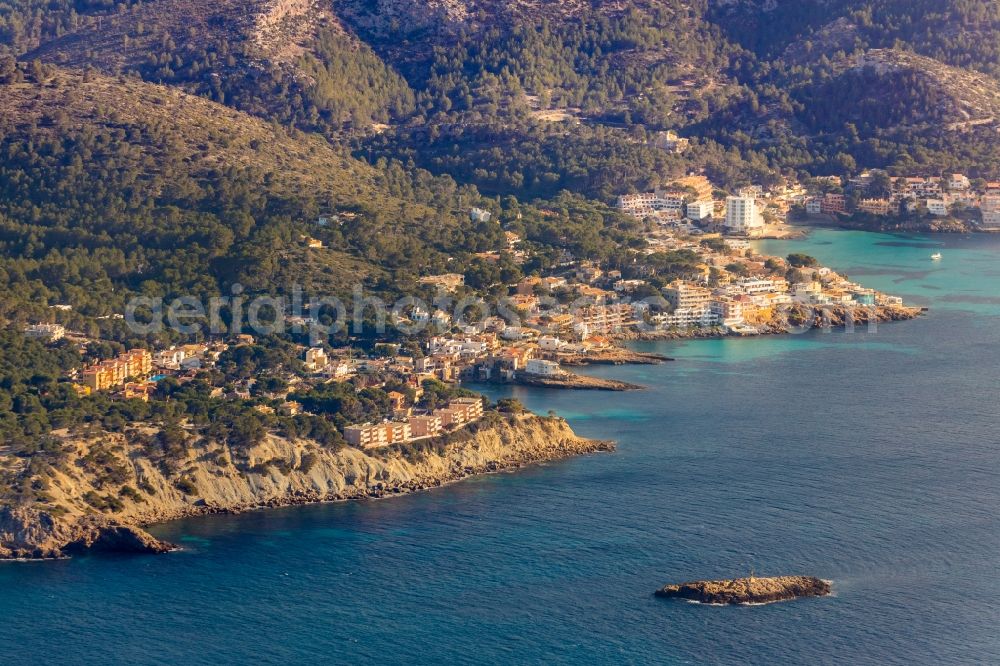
<point>751,590</point>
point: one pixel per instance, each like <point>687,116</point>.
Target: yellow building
<point>134,364</point>
<point>138,391</point>
<point>460,411</point>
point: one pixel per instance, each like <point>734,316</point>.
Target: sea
<point>870,458</point>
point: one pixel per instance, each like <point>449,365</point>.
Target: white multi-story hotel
<point>754,285</point>
<point>729,311</point>
<point>682,318</point>
<point>647,204</point>
<point>700,210</point>
<point>686,296</point>
<point>742,215</point>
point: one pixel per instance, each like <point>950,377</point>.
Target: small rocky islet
<point>752,590</point>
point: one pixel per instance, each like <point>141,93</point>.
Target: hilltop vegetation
<point>286,60</point>
<point>962,33</point>
<point>108,181</point>
<point>529,98</point>
<point>113,186</point>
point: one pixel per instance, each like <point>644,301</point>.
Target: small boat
<point>936,256</point>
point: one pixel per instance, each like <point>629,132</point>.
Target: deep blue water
<point>869,458</point>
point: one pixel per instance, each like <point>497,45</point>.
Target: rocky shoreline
<point>73,526</point>
<point>792,319</point>
<point>893,224</point>
<point>614,356</point>
<point>748,590</point>
<point>573,381</point>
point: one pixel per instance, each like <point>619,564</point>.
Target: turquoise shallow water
<point>870,458</point>
<point>965,278</point>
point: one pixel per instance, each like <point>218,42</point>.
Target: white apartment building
<point>687,296</point>
<point>991,221</point>
<point>742,215</point>
<point>169,358</point>
<point>729,311</point>
<point>605,318</point>
<point>639,205</point>
<point>646,204</point>
<point>959,182</point>
<point>683,318</point>
<point>700,210</point>
<point>809,292</point>
<point>990,203</point>
<point>916,187</point>
<point>550,344</point>
<point>990,206</point>
<point>937,207</point>
<point>339,370</point>
<point>543,368</point>
<point>316,359</point>
<point>628,285</point>
<point>753,286</point>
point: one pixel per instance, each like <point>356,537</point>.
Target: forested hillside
<point>110,183</point>
<point>838,85</point>
<point>962,33</point>
<point>132,129</point>
<point>287,60</point>
<point>113,186</point>
<point>529,98</point>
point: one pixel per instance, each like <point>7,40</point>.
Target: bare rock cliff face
<point>278,472</point>
<point>28,533</point>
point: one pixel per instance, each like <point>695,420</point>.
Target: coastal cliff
<point>839,316</point>
<point>104,506</point>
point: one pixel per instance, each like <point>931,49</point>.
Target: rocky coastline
<point>791,319</point>
<point>751,590</point>
<point>68,524</point>
<point>573,381</point>
<point>614,356</point>
<point>894,223</point>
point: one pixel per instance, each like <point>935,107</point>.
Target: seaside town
<point>576,315</point>
<point>693,205</point>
